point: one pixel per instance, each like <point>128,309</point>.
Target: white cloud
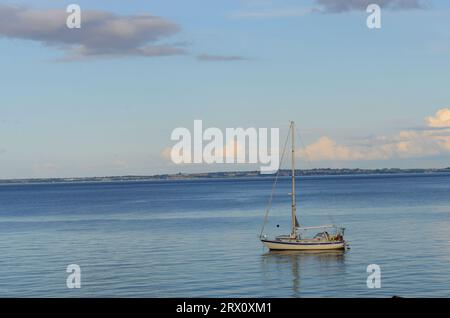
<point>440,119</point>
<point>327,149</point>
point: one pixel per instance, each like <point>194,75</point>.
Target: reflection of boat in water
<point>321,254</point>
<point>309,269</point>
<point>329,237</point>
<point>321,257</point>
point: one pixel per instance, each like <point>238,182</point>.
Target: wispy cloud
<point>120,164</point>
<point>271,13</point>
<point>215,58</point>
<point>43,168</point>
<point>338,6</point>
<point>101,34</point>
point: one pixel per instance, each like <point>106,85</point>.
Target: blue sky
<point>274,61</point>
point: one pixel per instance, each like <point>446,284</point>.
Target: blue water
<point>199,238</point>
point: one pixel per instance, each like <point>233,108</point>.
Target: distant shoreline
<point>228,174</point>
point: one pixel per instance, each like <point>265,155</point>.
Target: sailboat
<point>327,237</point>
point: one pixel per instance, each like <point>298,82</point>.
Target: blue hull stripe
<point>296,243</point>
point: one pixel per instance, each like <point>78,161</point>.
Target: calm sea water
<point>199,238</point>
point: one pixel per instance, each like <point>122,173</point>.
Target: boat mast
<point>294,216</point>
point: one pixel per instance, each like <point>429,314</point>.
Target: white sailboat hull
<point>303,246</point>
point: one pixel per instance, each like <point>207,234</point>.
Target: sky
<point>103,99</point>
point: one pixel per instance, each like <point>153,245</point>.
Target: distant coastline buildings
<point>233,174</point>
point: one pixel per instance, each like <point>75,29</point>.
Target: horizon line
<point>258,172</point>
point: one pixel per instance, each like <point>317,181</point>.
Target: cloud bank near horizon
<point>425,142</point>
<point>406,144</point>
